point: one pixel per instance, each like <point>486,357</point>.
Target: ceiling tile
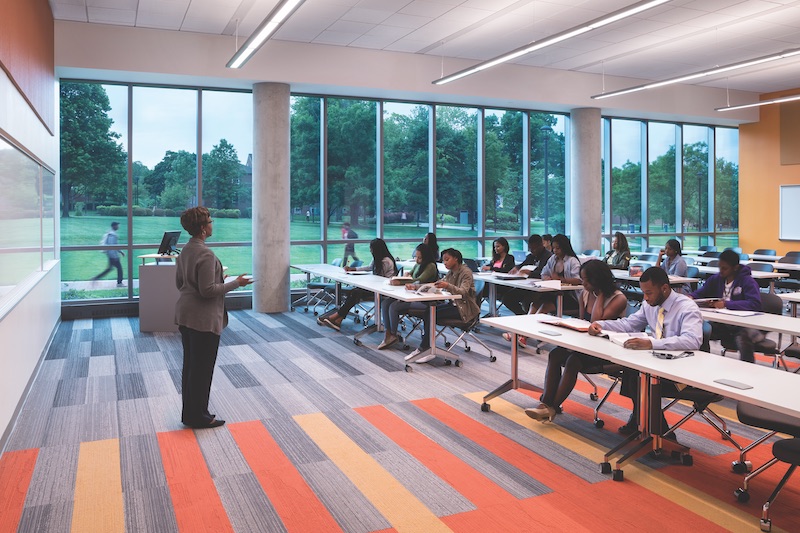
<point>406,21</point>
<point>371,16</point>
<point>346,26</point>
<point>384,5</point>
<point>425,9</point>
<point>111,4</point>
<point>336,37</point>
<point>124,17</point>
<point>69,12</point>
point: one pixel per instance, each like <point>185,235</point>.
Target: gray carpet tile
<point>330,360</point>
<point>289,370</point>
<point>121,328</point>
<point>130,386</point>
<point>246,504</point>
<point>356,427</point>
<point>30,429</point>
<point>75,367</point>
<point>234,405</point>
<point>54,476</point>
<point>145,344</point>
<point>81,423</point>
<point>220,381</point>
<point>269,334</point>
<point>516,482</point>
<point>293,400</point>
<point>101,389</point>
<point>42,393</point>
<point>353,512</point>
<point>166,413</point>
<point>350,358</point>
<point>134,417</point>
<point>70,392</point>
<point>244,354</point>
<point>382,360</point>
<point>353,393</point>
<point>437,495</point>
<point>320,396</point>
<point>127,357</point>
<point>177,381</point>
<point>50,370</point>
<point>140,461</point>
<point>264,402</point>
<point>151,361</point>
<point>265,373</point>
<point>48,518</point>
<point>173,358</point>
<point>277,351</point>
<point>85,335</point>
<point>316,368</point>
<point>102,366</point>
<point>298,324</point>
<point>149,511</point>
<point>239,376</point>
<point>221,453</point>
<point>60,347</point>
<point>160,383</point>
<point>104,346</point>
<point>234,338</point>
<point>294,442</point>
<point>101,329</point>
<point>168,341</point>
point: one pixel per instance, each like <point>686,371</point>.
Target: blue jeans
<point>392,310</point>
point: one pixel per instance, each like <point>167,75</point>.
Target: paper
<point>548,284</point>
<point>619,338</point>
<point>736,312</point>
<point>428,288</point>
<point>572,323</point>
<point>510,276</point>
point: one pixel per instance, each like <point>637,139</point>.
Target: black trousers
<point>112,263</point>
<point>199,356</point>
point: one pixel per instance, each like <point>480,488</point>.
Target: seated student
<point>457,281</point>
<point>383,264</point>
<point>600,300</point>
<point>675,324</point>
<point>424,271</point>
<point>547,242</point>
<point>563,265</point>
<point>519,300</point>
<point>619,257</point>
<point>735,288</point>
<point>502,261</point>
<point>673,263</point>
<point>433,244</point>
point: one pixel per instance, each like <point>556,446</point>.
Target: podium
<point>157,293</point>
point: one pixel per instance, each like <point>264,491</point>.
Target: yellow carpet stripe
<point>721,513</point>
<point>399,506</point>
<point>98,503</point>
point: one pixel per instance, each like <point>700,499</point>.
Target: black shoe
<point>214,423</point>
<point>628,428</point>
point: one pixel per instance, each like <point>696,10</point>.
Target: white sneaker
<point>413,354</point>
<point>429,357</point>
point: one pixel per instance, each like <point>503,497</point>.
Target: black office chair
<point>765,251</point>
<point>707,248</point>
<point>452,324</point>
<point>713,263</point>
<point>793,253</point>
<point>786,450</point>
<point>323,292</point>
<point>711,253</point>
<point>762,267</point>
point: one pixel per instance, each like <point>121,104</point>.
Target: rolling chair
<point>710,253</point>
<point>762,267</point>
<point>324,292</point>
<point>452,324</point>
<point>765,251</point>
<point>592,253</point>
<point>707,248</point>
<point>785,450</point>
<point>713,263</point>
<point>734,248</point>
<point>791,283</point>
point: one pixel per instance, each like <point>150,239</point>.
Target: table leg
<point>560,303</point>
<point>492,299</point>
<point>376,323</point>
<point>514,382</point>
<point>431,336</point>
<point>308,291</point>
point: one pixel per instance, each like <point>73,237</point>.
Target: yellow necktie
<point>660,324</point>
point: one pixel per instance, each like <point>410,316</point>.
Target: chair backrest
<point>357,263</point>
<point>711,253</point>
<point>692,272</point>
<point>744,257</point>
<point>472,264</point>
<point>647,257</point>
<point>771,303</point>
<point>592,253</point>
<point>735,249</point>
<point>765,251</point>
<point>793,259</point>
<point>708,248</point>
<point>792,254</point>
<point>337,262</point>
<point>713,263</point>
<point>761,267</point>
<point>519,255</point>
<point>689,260</point>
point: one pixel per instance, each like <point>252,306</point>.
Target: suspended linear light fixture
<point>268,26</point>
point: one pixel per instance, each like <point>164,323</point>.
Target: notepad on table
<point>620,337</point>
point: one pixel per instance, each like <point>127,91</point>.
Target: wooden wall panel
<point>27,54</point>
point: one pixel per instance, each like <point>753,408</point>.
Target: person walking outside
<point>110,239</point>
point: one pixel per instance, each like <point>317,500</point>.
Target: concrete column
<point>585,197</point>
<point>271,197</point>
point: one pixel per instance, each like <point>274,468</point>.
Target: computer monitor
<point>169,243</point>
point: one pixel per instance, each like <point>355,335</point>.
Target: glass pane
<point>726,185</point>
<point>305,167</point>
<point>351,167</point>
<point>165,159</point>
<point>360,252</point>
<point>695,178</point>
<point>227,162</point>
<point>603,143</point>
<point>94,174</point>
<point>456,170</point>
<point>48,215</point>
<point>503,171</point>
<point>661,179</point>
<point>236,259</point>
<point>405,169</point>
<point>626,176</point>
<point>303,255</point>
<point>548,152</point>
<point>78,268</point>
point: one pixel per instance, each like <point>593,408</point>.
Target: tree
<point>405,140</point>
<point>661,188</point>
<point>695,185</point>
<point>176,170</point>
<point>141,195</point>
<point>626,193</point>
<point>726,204</point>
<point>456,160</point>
<point>92,160</point>
<point>305,152</point>
<point>221,176</point>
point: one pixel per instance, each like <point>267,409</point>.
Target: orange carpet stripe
<point>294,501</point>
<point>473,485</point>
<point>195,498</point>
<point>16,470</point>
<point>98,503</point>
<point>552,475</point>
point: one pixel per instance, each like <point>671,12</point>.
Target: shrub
<point>79,209</point>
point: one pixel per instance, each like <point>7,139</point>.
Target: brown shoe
<point>388,340</point>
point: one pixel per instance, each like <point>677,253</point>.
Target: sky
<point>166,119</point>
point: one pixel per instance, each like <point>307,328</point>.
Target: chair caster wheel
<point>406,346</point>
<point>593,397</point>
<point>357,342</point>
<point>605,468</point>
<point>458,362</point>
<point>766,524</point>
<point>316,313</point>
<point>599,424</point>
<point>468,349</point>
<point>447,362</point>
<point>742,496</point>
<point>485,407</point>
<point>492,359</point>
<point>408,368</point>
<point>617,475</point>
<point>356,320</point>
<point>740,467</point>
<point>304,310</point>
<point>538,351</point>
<point>447,344</point>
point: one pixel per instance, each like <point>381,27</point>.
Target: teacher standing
<point>200,315</point>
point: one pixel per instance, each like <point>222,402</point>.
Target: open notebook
<point>572,323</point>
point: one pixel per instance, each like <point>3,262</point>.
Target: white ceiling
<point>680,37</point>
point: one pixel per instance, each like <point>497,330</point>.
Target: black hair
<point>600,277</point>
<point>622,242</point>
<point>730,257</point>
<point>452,252</point>
<point>504,243</point>
<point>433,244</point>
<point>535,240</point>
<point>656,275</point>
<point>566,246</point>
<point>379,251</point>
<point>547,237</point>
<point>427,255</point>
<point>675,244</point>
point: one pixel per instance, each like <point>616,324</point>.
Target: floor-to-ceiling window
<point>503,168</point>
<point>662,200</point>
<point>726,187</point>
<point>548,173</point>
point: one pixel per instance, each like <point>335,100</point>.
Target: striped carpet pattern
<point>324,435</point>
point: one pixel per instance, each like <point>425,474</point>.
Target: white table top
<point>757,274</point>
<point>762,257</point>
<point>764,321</point>
<point>793,297</point>
<point>527,284</point>
<point>772,389</point>
<point>673,280</point>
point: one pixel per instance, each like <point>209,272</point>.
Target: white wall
<point>32,310</point>
<point>118,53</point>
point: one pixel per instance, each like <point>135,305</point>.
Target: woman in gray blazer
<point>200,315</point>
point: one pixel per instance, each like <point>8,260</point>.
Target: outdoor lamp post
<point>546,133</point>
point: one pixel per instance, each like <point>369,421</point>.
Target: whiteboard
<point>790,213</point>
